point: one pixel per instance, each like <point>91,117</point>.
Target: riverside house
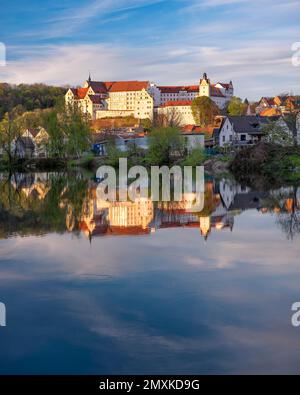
<point>239,131</point>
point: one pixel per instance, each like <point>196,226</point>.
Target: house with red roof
<point>280,104</point>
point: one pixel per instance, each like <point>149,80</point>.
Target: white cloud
<point>253,49</point>
<point>255,69</point>
<point>71,20</point>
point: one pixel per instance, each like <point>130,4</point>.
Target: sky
<point>163,41</point>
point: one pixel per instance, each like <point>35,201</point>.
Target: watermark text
<point>2,55</point>
<point>2,314</point>
<point>164,184</point>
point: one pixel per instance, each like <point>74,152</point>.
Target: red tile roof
<point>118,86</point>
<point>123,86</point>
<point>176,103</point>
<point>190,88</point>
<point>192,129</point>
<point>188,128</point>
<point>270,112</point>
<point>215,91</point>
<point>81,92</point>
<point>269,100</point>
<point>177,89</point>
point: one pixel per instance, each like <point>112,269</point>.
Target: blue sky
<point>165,41</point>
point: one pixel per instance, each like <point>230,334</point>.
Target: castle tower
<point>204,86</point>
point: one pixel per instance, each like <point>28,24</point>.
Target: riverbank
<point>34,164</point>
<point>272,162</point>
<point>213,165</point>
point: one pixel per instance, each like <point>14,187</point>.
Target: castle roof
<point>81,92</point>
<point>225,85</point>
<point>215,91</point>
<point>95,99</point>
<point>177,89</point>
<point>118,86</point>
<point>177,103</point>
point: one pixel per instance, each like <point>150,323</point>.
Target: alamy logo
<point>164,184</point>
<point>296,316</point>
<point>2,314</point>
<point>296,56</point>
<point>2,55</point>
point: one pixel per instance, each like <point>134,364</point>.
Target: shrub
<point>195,158</point>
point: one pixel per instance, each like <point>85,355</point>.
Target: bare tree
<point>172,118</point>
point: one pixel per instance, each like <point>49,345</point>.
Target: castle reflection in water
<point>84,212</point>
<point>143,216</point>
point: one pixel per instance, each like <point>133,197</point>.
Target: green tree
<point>114,154</point>
<point>146,123</point>
<point>291,120</point>
<point>277,134</point>
<point>196,157</point>
<point>56,145</point>
<point>164,145</point>
<point>236,107</point>
<point>28,97</point>
<point>77,130</point>
<point>9,131</point>
<point>204,111</point>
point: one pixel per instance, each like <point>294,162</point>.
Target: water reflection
<point>38,203</point>
<point>167,302</point>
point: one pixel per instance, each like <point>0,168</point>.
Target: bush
<point>195,158</point>
<point>166,143</point>
<point>114,154</point>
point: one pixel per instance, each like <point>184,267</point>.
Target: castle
<point>142,99</point>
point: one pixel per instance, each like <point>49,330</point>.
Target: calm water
<point>124,288</point>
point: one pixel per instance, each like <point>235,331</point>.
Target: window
<point>243,137</point>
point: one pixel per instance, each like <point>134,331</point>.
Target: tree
<point>277,134</point>
<point>291,120</point>
<point>56,142</point>
<point>236,107</point>
<point>204,111</point>
<point>196,157</point>
<point>28,97</point>
<point>9,131</point>
<point>146,123</point>
<point>287,206</point>
<point>164,144</point>
<point>77,131</point>
<point>171,118</point>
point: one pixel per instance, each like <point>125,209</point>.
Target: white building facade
<point>141,98</point>
<point>220,93</point>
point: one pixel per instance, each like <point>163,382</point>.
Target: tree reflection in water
<point>40,203</point>
<point>285,203</point>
